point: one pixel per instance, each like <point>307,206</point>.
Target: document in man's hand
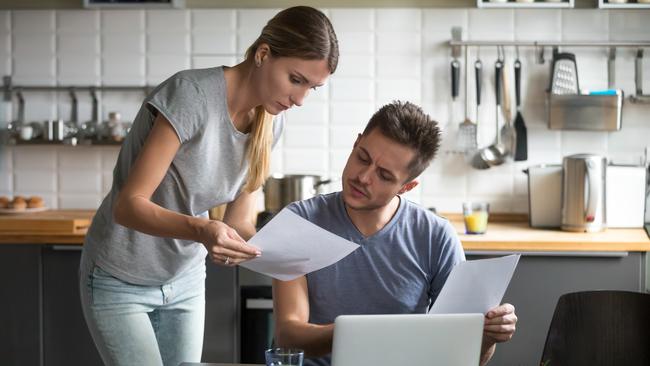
<point>292,246</point>
<point>475,286</point>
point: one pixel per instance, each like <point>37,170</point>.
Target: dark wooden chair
<point>598,328</point>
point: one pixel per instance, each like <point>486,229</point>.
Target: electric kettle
<point>583,193</point>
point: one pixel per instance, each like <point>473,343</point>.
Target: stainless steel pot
<point>281,190</point>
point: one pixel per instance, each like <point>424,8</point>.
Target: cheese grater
<point>564,78</point>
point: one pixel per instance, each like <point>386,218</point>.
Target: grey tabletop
<point>218,364</point>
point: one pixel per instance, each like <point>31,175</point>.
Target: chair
<point>599,328</point>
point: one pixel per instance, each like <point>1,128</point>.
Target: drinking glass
<point>475,215</point>
<point>284,356</point>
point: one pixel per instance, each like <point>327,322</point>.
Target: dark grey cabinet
<point>42,322</point>
<point>220,339</point>
<point>20,314</point>
<point>540,279</point>
<point>66,339</point>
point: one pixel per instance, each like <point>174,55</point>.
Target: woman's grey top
<point>209,169</point>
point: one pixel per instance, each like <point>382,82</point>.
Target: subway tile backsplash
<point>385,54</point>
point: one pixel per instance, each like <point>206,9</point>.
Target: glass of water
<point>284,356</point>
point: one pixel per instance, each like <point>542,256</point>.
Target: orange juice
<point>476,222</point>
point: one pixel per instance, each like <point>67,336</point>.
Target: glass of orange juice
<point>475,215</point>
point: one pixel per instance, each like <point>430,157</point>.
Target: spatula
<point>466,139</point>
<point>521,146</point>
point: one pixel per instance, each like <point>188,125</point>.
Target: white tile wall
<point>33,21</point>
<point>5,22</point>
<point>77,21</point>
<point>585,25</point>
<point>35,181</point>
<point>201,62</point>
<point>123,47</point>
<point>312,113</point>
<point>386,54</point>
<point>214,21</point>
<point>76,181</point>
<point>123,21</point>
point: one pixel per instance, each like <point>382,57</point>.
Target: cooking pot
<point>281,190</point>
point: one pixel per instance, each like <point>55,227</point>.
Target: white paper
<point>292,247</point>
<point>475,286</point>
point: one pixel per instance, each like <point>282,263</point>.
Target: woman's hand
<point>225,246</point>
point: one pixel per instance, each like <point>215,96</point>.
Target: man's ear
<point>356,142</point>
<point>408,186</point>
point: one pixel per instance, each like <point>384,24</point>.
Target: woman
<point>201,139</point>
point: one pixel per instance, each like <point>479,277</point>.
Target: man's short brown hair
<point>407,124</point>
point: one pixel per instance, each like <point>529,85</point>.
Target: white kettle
<point>583,193</point>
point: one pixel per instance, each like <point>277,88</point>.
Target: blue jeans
<point>144,325</point>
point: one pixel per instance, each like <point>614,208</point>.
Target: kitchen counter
<point>512,233</point>
<point>48,227</point>
<point>506,232</point>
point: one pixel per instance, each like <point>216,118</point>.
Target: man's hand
<point>499,326</point>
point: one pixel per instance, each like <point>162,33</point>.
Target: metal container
<point>544,195</point>
<point>585,112</point>
<point>281,190</point>
<point>54,130</point>
<point>583,193</point>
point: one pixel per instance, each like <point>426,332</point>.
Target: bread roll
<point>35,202</point>
<point>18,203</point>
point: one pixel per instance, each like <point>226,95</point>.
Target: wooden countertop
<point>48,227</point>
<point>506,232</point>
<point>511,233</point>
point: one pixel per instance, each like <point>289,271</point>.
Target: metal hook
<point>638,72</point>
<point>611,68</point>
<point>21,105</point>
<point>95,103</point>
<point>517,52</point>
<point>73,111</point>
<point>539,51</point>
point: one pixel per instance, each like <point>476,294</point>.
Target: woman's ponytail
<point>259,149</point>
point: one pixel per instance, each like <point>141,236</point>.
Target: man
<point>405,254</point>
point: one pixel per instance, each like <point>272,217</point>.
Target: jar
<point>115,126</point>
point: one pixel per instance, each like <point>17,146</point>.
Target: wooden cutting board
<point>52,221</point>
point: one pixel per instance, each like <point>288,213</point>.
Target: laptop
<point>407,339</point>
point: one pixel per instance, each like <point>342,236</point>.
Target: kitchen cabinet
<point>42,322</point>
<point>66,339</point>
<point>541,278</point>
<point>220,340</point>
<point>631,4</point>
<point>525,4</point>
<point>20,291</point>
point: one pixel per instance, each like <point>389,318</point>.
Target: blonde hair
<point>259,149</point>
<point>300,31</point>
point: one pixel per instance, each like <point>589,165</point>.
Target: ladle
<point>494,154</point>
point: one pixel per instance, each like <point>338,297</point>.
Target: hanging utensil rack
<point>639,97</point>
<point>9,88</point>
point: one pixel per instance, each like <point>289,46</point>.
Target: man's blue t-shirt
<point>398,270</point>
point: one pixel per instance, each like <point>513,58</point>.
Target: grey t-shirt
<point>208,170</point>
<point>398,270</point>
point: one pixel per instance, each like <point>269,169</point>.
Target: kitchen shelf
<point>522,5</point>
<point>629,5</point>
<point>117,4</point>
<point>40,142</point>
<point>9,88</point>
